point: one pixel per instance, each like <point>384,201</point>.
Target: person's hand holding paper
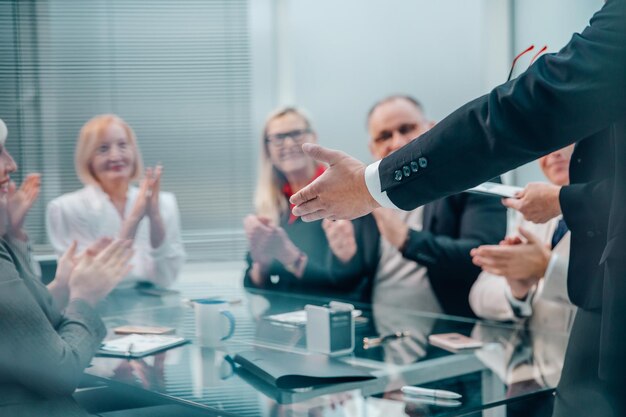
<point>538,202</point>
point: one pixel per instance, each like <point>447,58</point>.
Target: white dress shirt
<point>372,181</point>
<point>88,214</point>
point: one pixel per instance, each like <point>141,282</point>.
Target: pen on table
<point>439,402</point>
<point>427,392</point>
<point>129,350</point>
<point>376,341</point>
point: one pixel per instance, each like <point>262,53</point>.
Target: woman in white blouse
<point>107,161</point>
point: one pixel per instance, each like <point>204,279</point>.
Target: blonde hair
<point>269,200</point>
<point>88,140</point>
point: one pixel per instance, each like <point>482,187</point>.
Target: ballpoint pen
<point>375,341</point>
<point>439,402</point>
<point>427,392</point>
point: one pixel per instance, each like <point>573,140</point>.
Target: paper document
<point>496,190</point>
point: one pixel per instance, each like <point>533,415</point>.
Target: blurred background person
<point>48,337</point>
<point>423,261</point>
<point>525,278</point>
<point>526,275</point>
<point>107,161</point>
<point>287,254</point>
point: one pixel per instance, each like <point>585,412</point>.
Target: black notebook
<point>289,370</point>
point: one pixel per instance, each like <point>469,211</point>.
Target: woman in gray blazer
<point>48,337</point>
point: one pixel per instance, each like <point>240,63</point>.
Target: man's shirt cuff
<point>372,180</point>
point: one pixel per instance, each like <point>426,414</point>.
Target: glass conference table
<point>514,364</point>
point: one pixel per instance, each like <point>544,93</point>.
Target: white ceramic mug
<point>214,323</point>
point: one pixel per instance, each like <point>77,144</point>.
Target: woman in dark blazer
<point>287,254</point>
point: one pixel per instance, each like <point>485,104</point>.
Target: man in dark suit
<point>576,95</point>
<point>424,260</point>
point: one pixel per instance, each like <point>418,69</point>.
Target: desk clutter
<point>273,358</point>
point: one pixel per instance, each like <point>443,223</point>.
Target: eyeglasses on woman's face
<point>298,136</point>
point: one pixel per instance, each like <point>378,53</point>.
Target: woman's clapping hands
<point>94,275</point>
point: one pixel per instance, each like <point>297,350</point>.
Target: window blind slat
<point>178,72</point>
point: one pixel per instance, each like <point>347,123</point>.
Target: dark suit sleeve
<point>482,220</point>
<point>586,207</point>
<point>559,100</point>
<point>585,210</point>
<point>44,357</point>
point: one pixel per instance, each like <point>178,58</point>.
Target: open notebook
<point>138,345</point>
<point>290,370</point>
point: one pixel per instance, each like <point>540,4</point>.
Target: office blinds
<point>178,71</point>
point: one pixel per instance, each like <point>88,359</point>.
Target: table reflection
<point>514,361</point>
<point>16,401</point>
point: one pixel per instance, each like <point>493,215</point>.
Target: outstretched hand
<point>339,193</point>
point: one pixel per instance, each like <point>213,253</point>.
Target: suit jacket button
<point>590,233</point>
<point>397,175</point>
<point>406,170</point>
<point>414,166</point>
<point>423,162</point>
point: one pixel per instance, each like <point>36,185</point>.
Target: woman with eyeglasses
<point>287,254</point>
<point>107,162</point>
<point>49,334</point>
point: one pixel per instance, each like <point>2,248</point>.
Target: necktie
<point>559,232</point>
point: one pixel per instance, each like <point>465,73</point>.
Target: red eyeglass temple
<point>530,48</point>
<point>542,50</point>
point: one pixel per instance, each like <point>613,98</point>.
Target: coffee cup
<point>214,323</point>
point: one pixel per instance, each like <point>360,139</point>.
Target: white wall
<point>337,58</point>
<point>552,23</point>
